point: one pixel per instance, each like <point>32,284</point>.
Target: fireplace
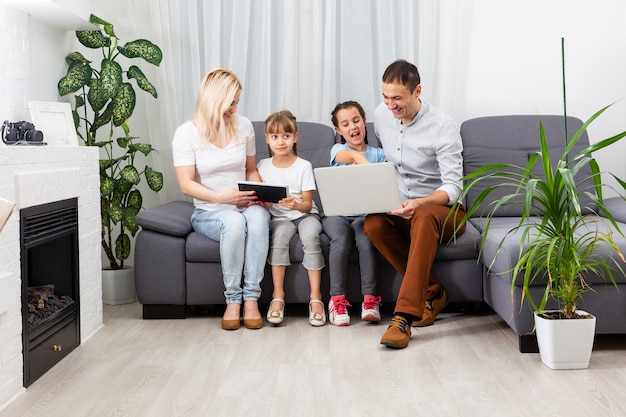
<point>32,177</point>
<point>50,285</point>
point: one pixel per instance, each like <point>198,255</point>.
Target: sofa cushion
<point>199,248</point>
<point>462,247</point>
<point>173,218</point>
<point>202,249</point>
<point>512,140</point>
<point>500,260</point>
<point>617,208</point>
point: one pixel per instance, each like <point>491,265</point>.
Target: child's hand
<point>288,202</point>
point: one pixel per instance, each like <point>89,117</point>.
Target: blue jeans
<point>342,231</point>
<point>309,229</point>
<point>244,243</point>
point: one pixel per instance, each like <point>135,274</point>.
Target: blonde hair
<point>216,95</point>
<point>281,121</point>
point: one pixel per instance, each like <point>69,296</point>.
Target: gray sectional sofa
<point>176,268</point>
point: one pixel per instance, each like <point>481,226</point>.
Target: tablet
<point>267,193</point>
<point>358,189</point>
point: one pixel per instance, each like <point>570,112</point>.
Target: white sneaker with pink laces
<point>338,311</point>
<point>370,310</point>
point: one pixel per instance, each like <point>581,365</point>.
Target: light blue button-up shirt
<point>427,153</point>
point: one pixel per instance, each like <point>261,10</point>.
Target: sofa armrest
<point>170,218</point>
<point>617,207</point>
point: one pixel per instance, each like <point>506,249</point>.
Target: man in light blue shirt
<point>424,144</point>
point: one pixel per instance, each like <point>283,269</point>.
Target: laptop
<point>358,189</point>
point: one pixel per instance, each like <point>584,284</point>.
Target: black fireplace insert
<point>50,285</point>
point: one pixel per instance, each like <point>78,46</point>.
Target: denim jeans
<point>342,231</point>
<point>244,243</point>
<point>309,229</point>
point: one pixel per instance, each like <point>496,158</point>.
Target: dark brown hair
<point>343,106</point>
<point>404,72</point>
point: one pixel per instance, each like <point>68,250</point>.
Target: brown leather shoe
<point>398,333</point>
<point>253,323</point>
<point>431,309</point>
<point>231,324</point>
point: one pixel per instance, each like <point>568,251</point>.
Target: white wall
<point>48,47</point>
<point>515,64</point>
<point>512,65</point>
<point>13,65</point>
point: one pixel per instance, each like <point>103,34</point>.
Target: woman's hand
<point>240,199</point>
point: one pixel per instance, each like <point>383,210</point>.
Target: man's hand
<point>408,208</point>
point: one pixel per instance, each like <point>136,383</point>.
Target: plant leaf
<point>76,119</point>
<point>129,218</point>
<point>130,174</point>
<point>97,95</point>
<point>134,199</point>
<point>110,78</point>
<point>97,20</point>
<point>122,187</point>
<point>144,148</point>
<point>122,141</point>
<point>154,179</point>
<point>115,213</point>
<point>122,246</point>
<point>102,119</point>
<point>108,28</point>
<point>93,39</point>
<point>142,48</point>
<point>123,104</point>
<point>78,75</point>
<point>142,81</point>
<point>76,57</point>
<point>107,185</point>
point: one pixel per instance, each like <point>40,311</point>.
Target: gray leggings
<point>343,231</point>
<point>309,228</point>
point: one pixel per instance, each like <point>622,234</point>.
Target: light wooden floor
<point>464,365</point>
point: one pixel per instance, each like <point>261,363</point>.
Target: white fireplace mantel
<point>31,176</point>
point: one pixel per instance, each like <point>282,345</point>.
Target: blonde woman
<point>213,150</point>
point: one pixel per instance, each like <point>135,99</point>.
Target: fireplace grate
<point>51,223</point>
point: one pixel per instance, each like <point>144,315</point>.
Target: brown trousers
<point>410,247</point>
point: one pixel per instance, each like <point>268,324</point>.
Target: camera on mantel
<point>20,132</point>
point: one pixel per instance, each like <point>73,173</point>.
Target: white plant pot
<point>565,344</point>
<point>118,286</point>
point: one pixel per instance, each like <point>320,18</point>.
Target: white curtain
<point>300,55</point>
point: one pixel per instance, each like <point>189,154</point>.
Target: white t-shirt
<point>298,177</point>
<point>217,169</point>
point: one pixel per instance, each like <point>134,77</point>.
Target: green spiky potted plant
<point>559,244</point>
<point>104,100</point>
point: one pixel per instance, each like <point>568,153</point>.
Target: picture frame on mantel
<point>55,120</point>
